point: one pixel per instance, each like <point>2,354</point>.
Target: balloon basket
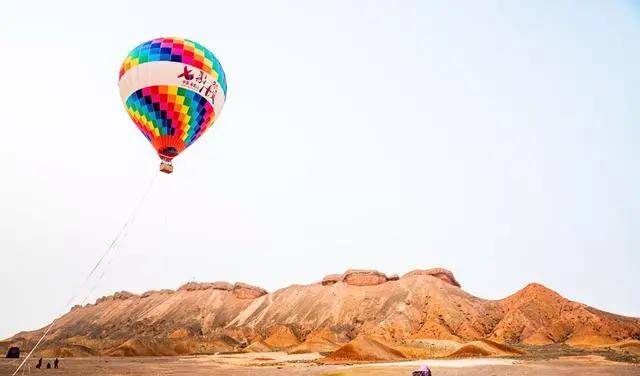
<point>166,167</point>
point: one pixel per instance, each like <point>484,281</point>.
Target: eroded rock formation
<point>358,304</point>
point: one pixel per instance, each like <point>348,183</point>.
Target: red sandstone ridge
<point>356,277</point>
<point>360,277</point>
<point>364,277</point>
<point>537,315</point>
<point>195,286</point>
<point>440,273</point>
<point>330,279</point>
<point>246,291</point>
<point>378,312</point>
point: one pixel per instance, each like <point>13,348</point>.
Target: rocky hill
<point>362,312</point>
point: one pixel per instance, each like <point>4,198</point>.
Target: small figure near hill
<point>39,363</point>
<point>48,365</point>
<point>424,371</point>
<point>55,363</point>
<point>14,352</point>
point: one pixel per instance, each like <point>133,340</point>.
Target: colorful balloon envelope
<point>173,89</point>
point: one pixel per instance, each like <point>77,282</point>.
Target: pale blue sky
<point>496,139</point>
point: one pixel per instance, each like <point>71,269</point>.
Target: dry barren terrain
<point>275,364</point>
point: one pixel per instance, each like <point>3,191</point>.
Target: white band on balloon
<point>172,73</point>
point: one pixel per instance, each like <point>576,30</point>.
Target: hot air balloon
<point>173,89</point>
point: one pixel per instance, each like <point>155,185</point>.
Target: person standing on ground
<point>424,371</point>
<point>55,363</point>
<point>39,363</point>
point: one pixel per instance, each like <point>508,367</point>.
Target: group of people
<point>56,363</point>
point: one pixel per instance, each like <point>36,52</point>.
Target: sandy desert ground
<point>282,364</point>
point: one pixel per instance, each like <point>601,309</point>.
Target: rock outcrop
<point>201,286</point>
<point>246,291</point>
<point>120,295</point>
<point>147,294</point>
<point>440,273</point>
<point>357,277</point>
<point>221,285</point>
<point>331,279</point>
<point>240,290</point>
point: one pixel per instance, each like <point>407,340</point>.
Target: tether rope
<point>112,245</point>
